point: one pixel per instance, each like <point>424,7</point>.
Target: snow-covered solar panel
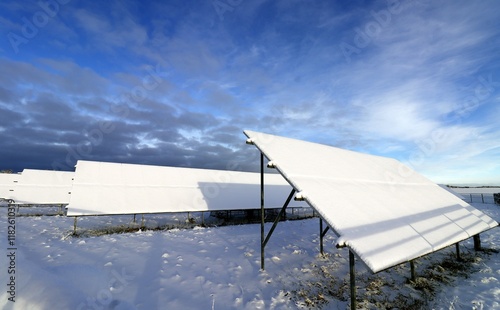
<point>381,209</point>
<point>7,182</point>
<point>43,187</point>
<point>102,188</point>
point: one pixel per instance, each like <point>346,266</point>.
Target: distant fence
<point>480,198</point>
<point>292,213</point>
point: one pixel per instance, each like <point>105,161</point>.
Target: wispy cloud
<point>176,84</point>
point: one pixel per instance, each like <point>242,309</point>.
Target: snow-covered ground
<point>219,268</point>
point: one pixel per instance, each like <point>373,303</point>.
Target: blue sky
<point>176,82</point>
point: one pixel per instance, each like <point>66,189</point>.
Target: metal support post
<point>457,246</point>
<point>134,218</point>
<point>264,239</point>
<point>262,216</point>
<point>477,242</point>
<point>412,270</point>
<point>322,234</point>
<point>142,221</point>
<point>202,219</point>
<point>353,280</point>
<point>74,226</point>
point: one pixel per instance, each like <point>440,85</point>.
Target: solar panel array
<point>382,210</point>
<point>7,183</point>
<point>111,188</point>
<point>99,188</point>
<point>37,186</point>
<point>43,187</point>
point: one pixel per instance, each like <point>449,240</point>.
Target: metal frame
<point>265,238</point>
<point>352,277</point>
<point>275,223</point>
<point>18,206</point>
<point>322,233</point>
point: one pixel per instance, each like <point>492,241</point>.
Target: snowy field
<point>219,268</point>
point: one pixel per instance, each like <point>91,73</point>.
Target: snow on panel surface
<point>110,188</point>
<point>382,210</point>
<point>7,183</point>
<point>43,187</point>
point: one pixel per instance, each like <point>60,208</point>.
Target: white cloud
<point>397,119</point>
<point>111,28</point>
<point>276,66</point>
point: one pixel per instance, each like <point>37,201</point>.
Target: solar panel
<point>381,209</point>
<point>43,187</point>
<point>7,182</point>
<point>103,188</point>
